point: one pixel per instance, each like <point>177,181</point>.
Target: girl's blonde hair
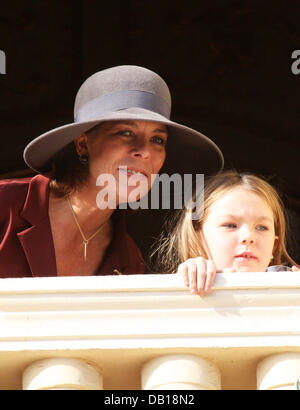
<point>184,241</point>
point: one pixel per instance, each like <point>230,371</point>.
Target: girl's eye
<point>159,140</point>
<point>229,225</point>
<point>262,228</point>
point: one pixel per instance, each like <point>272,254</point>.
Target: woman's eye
<point>126,133</point>
<point>159,140</point>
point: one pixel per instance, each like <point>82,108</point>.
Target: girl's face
<point>239,232</point>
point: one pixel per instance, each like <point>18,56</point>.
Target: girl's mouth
<point>246,256</point>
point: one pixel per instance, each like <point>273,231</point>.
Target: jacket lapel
<point>37,240</point>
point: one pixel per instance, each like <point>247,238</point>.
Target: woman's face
<point>239,232</point>
<point>129,151</point>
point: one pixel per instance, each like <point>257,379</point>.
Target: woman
<point>55,223</point>
<point>242,229</point>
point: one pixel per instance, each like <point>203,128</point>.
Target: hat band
<point>120,101</point>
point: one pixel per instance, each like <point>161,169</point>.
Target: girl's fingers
<point>198,274</point>
<point>295,269</point>
<point>183,272</point>
<point>192,275</point>
<point>210,275</point>
<point>201,275</point>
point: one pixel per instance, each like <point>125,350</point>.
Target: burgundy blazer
<point>26,243</point>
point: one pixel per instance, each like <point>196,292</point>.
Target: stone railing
<point>148,332</point>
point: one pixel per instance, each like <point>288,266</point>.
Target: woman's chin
<point>131,197</point>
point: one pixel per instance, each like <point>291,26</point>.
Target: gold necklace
<point>85,240</point>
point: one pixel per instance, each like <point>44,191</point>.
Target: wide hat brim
<point>188,151</point>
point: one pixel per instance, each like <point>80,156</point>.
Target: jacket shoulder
<point>13,188</point>
<point>13,194</point>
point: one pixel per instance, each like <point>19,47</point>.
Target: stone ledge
<point>120,322</point>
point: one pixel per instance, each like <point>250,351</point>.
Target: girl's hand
<point>295,269</point>
<point>198,274</point>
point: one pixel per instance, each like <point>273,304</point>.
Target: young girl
<point>242,229</point>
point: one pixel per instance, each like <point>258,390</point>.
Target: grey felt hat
<point>128,93</point>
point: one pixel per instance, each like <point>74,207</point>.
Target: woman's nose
<point>141,150</point>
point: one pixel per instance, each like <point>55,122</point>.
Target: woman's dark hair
<point>68,173</point>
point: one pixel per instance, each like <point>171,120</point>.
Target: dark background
<point>227,63</point>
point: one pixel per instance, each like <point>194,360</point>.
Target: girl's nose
<point>247,237</point>
<point>247,241</point>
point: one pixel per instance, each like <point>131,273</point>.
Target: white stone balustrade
<point>132,332</point>
<point>62,374</point>
<point>180,372</point>
<point>279,372</point>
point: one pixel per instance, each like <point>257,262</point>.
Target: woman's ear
<point>81,144</point>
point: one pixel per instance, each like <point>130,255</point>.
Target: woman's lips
<point>132,171</point>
